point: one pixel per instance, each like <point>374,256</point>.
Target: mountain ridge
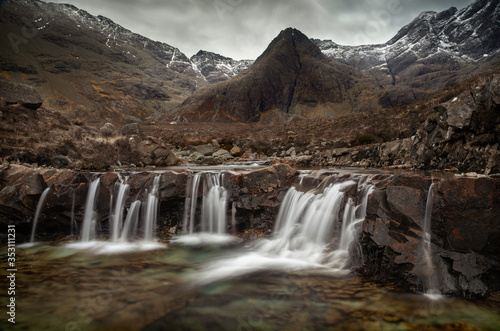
<point>426,56</point>
<point>281,83</point>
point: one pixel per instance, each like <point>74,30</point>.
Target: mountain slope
<point>291,78</point>
<point>434,51</point>
<point>89,67</point>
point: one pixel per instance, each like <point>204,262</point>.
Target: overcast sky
<point>242,29</point>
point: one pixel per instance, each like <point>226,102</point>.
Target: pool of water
<point>98,286</point>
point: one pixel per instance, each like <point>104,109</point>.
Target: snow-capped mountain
<point>292,78</point>
<point>87,65</point>
<point>461,36</point>
<point>432,53</point>
<point>217,68</point>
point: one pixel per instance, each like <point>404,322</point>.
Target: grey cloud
<point>243,28</point>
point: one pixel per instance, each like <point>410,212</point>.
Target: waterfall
<point>430,286</point>
<point>314,229</point>
<point>213,213</point>
<point>73,221</point>
<point>38,211</point>
<point>131,221</point>
<point>213,207</point>
<point>309,223</point>
<point>190,204</point>
<point>117,216</point>
<point>89,218</point>
<point>151,211</point>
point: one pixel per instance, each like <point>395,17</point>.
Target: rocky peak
<point>291,78</point>
<point>217,68</point>
<point>291,43</point>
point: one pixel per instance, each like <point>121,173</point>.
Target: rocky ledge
<point>464,234</point>
<point>463,213</point>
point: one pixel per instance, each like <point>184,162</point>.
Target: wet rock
<point>465,232</point>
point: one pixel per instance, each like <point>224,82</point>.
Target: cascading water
<point>214,204</point>
<point>73,221</point>
<point>210,224</point>
<point>311,231</point>
<point>117,217</point>
<point>190,204</point>
<point>89,218</point>
<point>131,222</point>
<point>429,276</point>
<point>214,209</point>
<point>151,211</point>
<point>38,211</point>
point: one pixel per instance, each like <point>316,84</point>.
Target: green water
<point>63,288</point>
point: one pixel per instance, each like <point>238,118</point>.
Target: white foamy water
<point>313,231</point>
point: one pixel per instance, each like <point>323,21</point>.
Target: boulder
<point>130,129</point>
<point>108,130</point>
<point>222,154</point>
<point>26,95</point>
<point>205,150</point>
<point>164,157</point>
<point>236,151</point>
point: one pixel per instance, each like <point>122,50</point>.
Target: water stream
<point>38,211</point>
<point>430,278</point>
<point>298,277</point>
<point>89,218</point>
<point>314,230</point>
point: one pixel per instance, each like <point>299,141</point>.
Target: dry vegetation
<point>46,137</point>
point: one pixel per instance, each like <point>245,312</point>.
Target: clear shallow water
<point>66,287</point>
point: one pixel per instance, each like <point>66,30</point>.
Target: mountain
<point>217,68</point>
<point>298,77</point>
<point>89,67</point>
<point>291,78</point>
<point>429,53</point>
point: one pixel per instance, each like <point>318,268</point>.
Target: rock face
<point>291,78</point>
<point>462,133</point>
<point>465,232</point>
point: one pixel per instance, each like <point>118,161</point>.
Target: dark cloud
<point>243,28</point>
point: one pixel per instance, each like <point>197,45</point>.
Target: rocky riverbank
<point>464,230</point>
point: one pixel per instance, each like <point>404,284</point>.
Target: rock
<point>236,151</point>
<point>205,150</point>
<point>164,157</point>
<point>146,147</point>
<point>108,130</point>
<point>130,129</point>
<point>290,152</point>
<point>26,95</point>
<point>465,234</point>
<point>222,154</point>
<point>262,180</point>
<point>59,161</point>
